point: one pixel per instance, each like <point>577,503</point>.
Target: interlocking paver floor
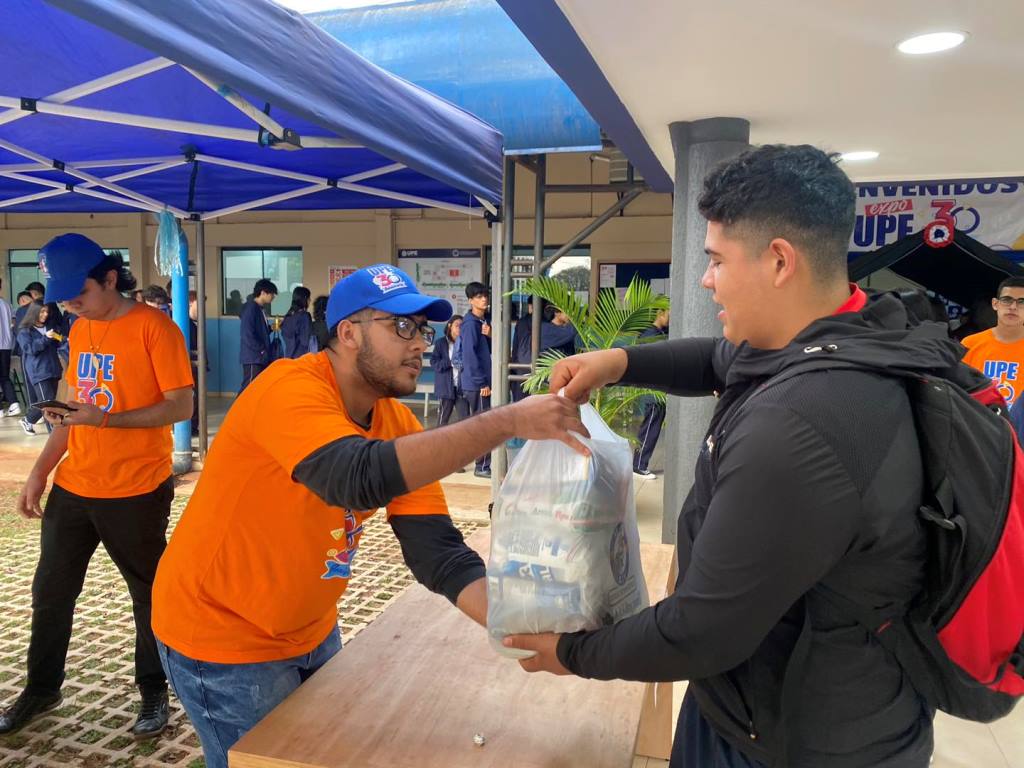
<point>91,729</point>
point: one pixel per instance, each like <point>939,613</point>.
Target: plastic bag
<point>565,549</point>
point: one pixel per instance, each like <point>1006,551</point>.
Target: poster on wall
<point>443,272</point>
<point>336,274</point>
<point>990,211</point>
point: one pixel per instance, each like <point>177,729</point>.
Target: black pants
<point>133,531</point>
<point>647,437</point>
<point>445,408</point>
<point>478,404</point>
<point>6,385</point>
<point>249,372</point>
<point>41,390</point>
<point>698,745</point>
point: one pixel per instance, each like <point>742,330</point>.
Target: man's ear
<point>347,335</point>
<point>784,260</point>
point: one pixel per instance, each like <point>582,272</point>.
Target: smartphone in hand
<point>53,405</point>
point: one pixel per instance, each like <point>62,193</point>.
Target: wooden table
<point>414,688</point>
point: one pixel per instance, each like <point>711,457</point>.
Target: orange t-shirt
<point>256,567</point>
<point>1003,363</point>
<point>138,357</point>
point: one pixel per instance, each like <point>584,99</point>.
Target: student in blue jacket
<point>447,372</point>
<point>254,351</point>
<point>40,360</point>
<point>297,326</point>
<point>476,360</point>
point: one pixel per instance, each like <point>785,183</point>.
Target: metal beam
<point>588,230</point>
<point>538,251</point>
<point>139,121</point>
<point>94,86</point>
<point>593,188</point>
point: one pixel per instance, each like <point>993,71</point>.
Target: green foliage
<point>614,322</point>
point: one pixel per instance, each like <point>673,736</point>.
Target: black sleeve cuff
<point>436,553</point>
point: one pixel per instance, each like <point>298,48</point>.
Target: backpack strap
<point>792,681</point>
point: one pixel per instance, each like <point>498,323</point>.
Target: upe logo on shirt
<point>387,279</point>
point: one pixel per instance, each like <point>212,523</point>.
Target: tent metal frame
<point>266,131</point>
<point>503,372</point>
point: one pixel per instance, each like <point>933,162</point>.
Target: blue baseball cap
<point>385,288</point>
<point>67,261</point>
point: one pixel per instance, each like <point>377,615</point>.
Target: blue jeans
<point>225,701</point>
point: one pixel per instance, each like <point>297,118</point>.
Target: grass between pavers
<point>91,728</point>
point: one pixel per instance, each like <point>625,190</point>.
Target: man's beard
<point>378,375</point>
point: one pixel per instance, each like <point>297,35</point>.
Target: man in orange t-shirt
<point>999,351</point>
<point>245,599</point>
<point>128,380</point>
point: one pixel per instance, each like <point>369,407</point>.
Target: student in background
<point>654,412</point>
<point>999,351</point>
<point>447,388</point>
<point>475,346</point>
<point>7,333</point>
<point>297,326</point>
<point>40,361</point>
<point>157,298</point>
<point>321,334</point>
<point>254,350</point>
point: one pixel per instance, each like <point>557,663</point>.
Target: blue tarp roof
<point>470,52</point>
<point>275,59</point>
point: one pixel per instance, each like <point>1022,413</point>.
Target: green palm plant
<point>614,322</point>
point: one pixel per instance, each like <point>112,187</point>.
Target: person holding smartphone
<point>128,380</point>
<point>40,360</point>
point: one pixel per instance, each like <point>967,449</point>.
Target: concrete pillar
<point>699,146</point>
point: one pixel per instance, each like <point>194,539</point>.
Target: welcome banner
<point>989,210</point>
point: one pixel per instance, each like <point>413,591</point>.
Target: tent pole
<point>538,252</point>
<point>204,417</point>
<point>181,459</point>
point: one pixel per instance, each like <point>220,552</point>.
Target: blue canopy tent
<point>205,108</point>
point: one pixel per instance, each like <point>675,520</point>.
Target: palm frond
<point>538,381</point>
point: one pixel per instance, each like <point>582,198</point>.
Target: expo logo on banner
<point>991,212</point>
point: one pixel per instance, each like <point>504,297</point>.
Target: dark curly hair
<point>798,193</point>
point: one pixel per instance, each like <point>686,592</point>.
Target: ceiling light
<point>931,43</point>
<point>858,157</point>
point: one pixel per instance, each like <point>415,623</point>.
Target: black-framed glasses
<point>405,327</point>
<point>1009,301</point>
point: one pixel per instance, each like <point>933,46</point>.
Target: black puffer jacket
<point>815,480</point>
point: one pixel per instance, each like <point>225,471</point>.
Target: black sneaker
<point>486,473</point>
<point>25,709</point>
<point>152,719</point>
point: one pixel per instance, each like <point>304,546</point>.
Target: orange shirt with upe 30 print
<point>1001,361</point>
<point>256,567</point>
<point>137,358</point>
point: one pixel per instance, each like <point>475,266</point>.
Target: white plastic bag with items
<point>565,549</point>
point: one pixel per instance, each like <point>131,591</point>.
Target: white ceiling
<point>826,73</point>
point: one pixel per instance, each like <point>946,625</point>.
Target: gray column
<point>699,146</point>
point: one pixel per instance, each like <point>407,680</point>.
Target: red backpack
<point>961,641</point>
